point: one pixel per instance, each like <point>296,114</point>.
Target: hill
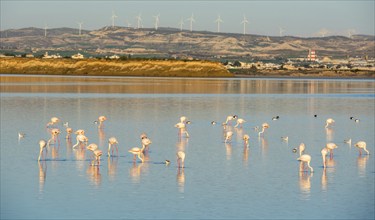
<point>171,42</point>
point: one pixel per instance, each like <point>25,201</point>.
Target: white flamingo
<point>302,148</point>
<point>54,136</point>
<point>240,121</point>
<point>42,146</point>
<point>230,118</point>
<point>97,153</point>
<point>306,159</point>
<point>80,139</point>
<point>329,122</point>
<point>53,121</point>
<point>112,142</point>
<point>361,145</point>
<point>331,147</point>
<point>136,151</point>
<point>228,136</point>
<point>101,119</point>
<point>246,139</point>
<point>69,131</point>
<point>324,153</point>
<point>264,127</point>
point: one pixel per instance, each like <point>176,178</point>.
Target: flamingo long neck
<point>76,143</point>
<point>263,129</point>
<point>311,169</point>
<point>324,160</point>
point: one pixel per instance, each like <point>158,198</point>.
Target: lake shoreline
<point>160,68</point>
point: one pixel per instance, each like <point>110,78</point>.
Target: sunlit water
<point>219,181</point>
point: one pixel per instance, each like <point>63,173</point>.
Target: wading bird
<point>361,145</point>
<point>305,159</point>
<point>54,136</point>
<point>42,146</point>
<point>264,127</point>
<point>101,119</point>
<point>228,136</point>
<point>69,131</point>
<point>330,147</point>
<point>329,122</point>
<point>53,121</point>
<point>145,142</point>
<point>136,151</point>
<point>301,148</point>
<point>80,140</point>
<point>230,118</point>
<point>180,159</point>
<point>97,153</point>
<point>112,143</point>
<point>240,121</point>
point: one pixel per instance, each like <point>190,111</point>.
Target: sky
<point>298,18</point>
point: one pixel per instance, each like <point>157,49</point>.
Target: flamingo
<point>136,151</point>
<point>230,118</point>
<point>112,141</point>
<point>80,139</point>
<point>182,128</point>
<point>80,131</point>
<point>301,149</point>
<point>330,147</point>
<point>145,142</point>
<point>228,136</point>
<point>183,119</point>
<point>69,131</point>
<point>361,145</point>
<point>53,121</point>
<point>180,159</point>
<point>240,121</point>
<point>97,153</point>
<point>101,119</point>
<point>246,140</point>
<point>305,158</point>
<point>329,121</point>
<point>42,146</point>
<point>324,153</point>
<point>264,127</point>
<point>54,135</point>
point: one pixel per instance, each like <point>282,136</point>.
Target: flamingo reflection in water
<point>180,159</point>
<point>112,143</point>
<point>112,167</point>
<point>305,159</point>
<point>42,174</point>
<point>305,184</point>
<point>181,179</point>
<point>93,173</point>
<point>361,145</point>
<point>96,153</point>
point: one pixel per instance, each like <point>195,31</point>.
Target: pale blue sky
<point>298,18</point>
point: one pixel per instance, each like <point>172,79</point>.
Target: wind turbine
<point>181,23</point>
<point>80,27</point>
<point>323,32</point>
<point>128,23</point>
<point>351,32</point>
<point>113,18</point>
<point>218,21</point>
<point>244,22</point>
<point>157,21</point>
<point>45,30</point>
<point>281,31</point>
<point>191,19</point>
<point>139,20</point>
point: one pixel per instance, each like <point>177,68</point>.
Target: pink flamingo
<point>112,141</point>
<point>54,120</point>
<point>101,119</point>
<point>246,139</point>
<point>240,121</point>
<point>361,145</point>
<point>306,159</point>
<point>136,151</point>
<point>264,127</point>
<point>80,139</point>
<point>54,136</point>
<point>97,153</point>
<point>324,153</point>
<point>329,122</point>
<point>69,131</point>
<point>330,147</point>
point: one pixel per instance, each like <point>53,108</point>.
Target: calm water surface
<point>220,180</point>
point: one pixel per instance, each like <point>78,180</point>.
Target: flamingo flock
<point>142,153</point>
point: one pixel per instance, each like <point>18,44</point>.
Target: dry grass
<point>164,68</point>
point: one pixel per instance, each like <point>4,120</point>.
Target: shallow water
<point>220,180</point>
